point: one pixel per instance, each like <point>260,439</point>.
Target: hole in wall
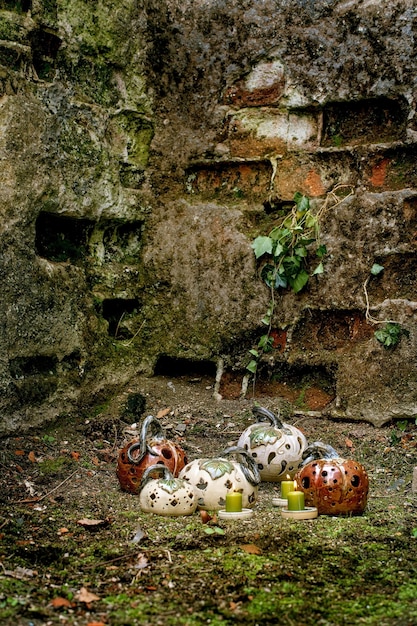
<point>59,238</point>
<point>398,280</point>
<point>117,312</point>
<point>71,361</point>
<point>34,378</point>
<point>122,240</point>
<point>13,58</point>
<point>19,6</point>
<point>331,330</point>
<point>229,179</point>
<point>21,367</point>
<point>306,387</point>
<point>392,169</point>
<point>278,205</point>
<point>172,367</point>
<point>45,45</point>
<point>376,120</point>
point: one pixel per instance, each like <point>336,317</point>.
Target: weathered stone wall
<point>144,145</point>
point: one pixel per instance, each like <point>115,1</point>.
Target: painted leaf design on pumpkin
<point>216,468</point>
<point>263,435</point>
<point>170,485</point>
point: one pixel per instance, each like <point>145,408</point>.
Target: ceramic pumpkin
<point>166,495</point>
<point>150,449</point>
<point>334,485</point>
<point>213,478</point>
<point>276,447</point>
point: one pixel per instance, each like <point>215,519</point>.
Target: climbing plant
<point>390,333</point>
<point>289,255</point>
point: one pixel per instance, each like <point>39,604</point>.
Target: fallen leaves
<point>93,524</point>
<point>59,603</point>
<point>251,548</point>
<point>21,573</point>
<point>139,535</point>
<point>349,444</point>
<point>86,596</point>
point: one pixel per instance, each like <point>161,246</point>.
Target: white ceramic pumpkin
<point>213,478</point>
<point>166,495</point>
<point>276,447</point>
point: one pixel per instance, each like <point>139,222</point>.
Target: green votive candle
<point>286,487</point>
<point>233,502</point>
<point>295,500</point>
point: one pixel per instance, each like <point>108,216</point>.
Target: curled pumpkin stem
<point>318,450</point>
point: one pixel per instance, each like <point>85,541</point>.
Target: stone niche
<point>142,151</point>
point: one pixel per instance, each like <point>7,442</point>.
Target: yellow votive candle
<point>286,487</point>
<point>234,502</point>
<point>295,500</point>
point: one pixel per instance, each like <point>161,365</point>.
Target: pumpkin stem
<point>142,444</point>
<point>265,415</point>
<point>247,463</point>
<point>318,450</point>
<point>160,469</point>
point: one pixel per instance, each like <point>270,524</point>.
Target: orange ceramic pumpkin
<point>150,449</point>
<point>334,485</point>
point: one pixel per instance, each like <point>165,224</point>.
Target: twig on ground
<point>40,498</point>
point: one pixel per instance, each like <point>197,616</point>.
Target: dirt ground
<point>75,549</point>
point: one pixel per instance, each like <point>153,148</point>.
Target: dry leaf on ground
<point>251,548</point>
<point>86,596</point>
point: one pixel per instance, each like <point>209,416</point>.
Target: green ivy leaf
<point>268,274</point>
<point>319,269</point>
<point>311,221</point>
<point>278,249</point>
<point>252,366</point>
<point>277,233</point>
<point>301,251</point>
<point>304,241</point>
<point>280,281</point>
<point>302,202</point>
<point>265,343</point>
<point>262,245</point>
<point>390,334</point>
<point>299,282</point>
<point>292,265</point>
<point>321,251</point>
<point>376,269</point>
<point>254,353</point>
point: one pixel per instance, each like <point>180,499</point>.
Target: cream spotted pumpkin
<point>214,478</point>
<point>277,448</point>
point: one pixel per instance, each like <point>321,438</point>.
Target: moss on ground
<point>144,569</point>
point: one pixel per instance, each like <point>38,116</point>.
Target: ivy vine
<point>286,255</point>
